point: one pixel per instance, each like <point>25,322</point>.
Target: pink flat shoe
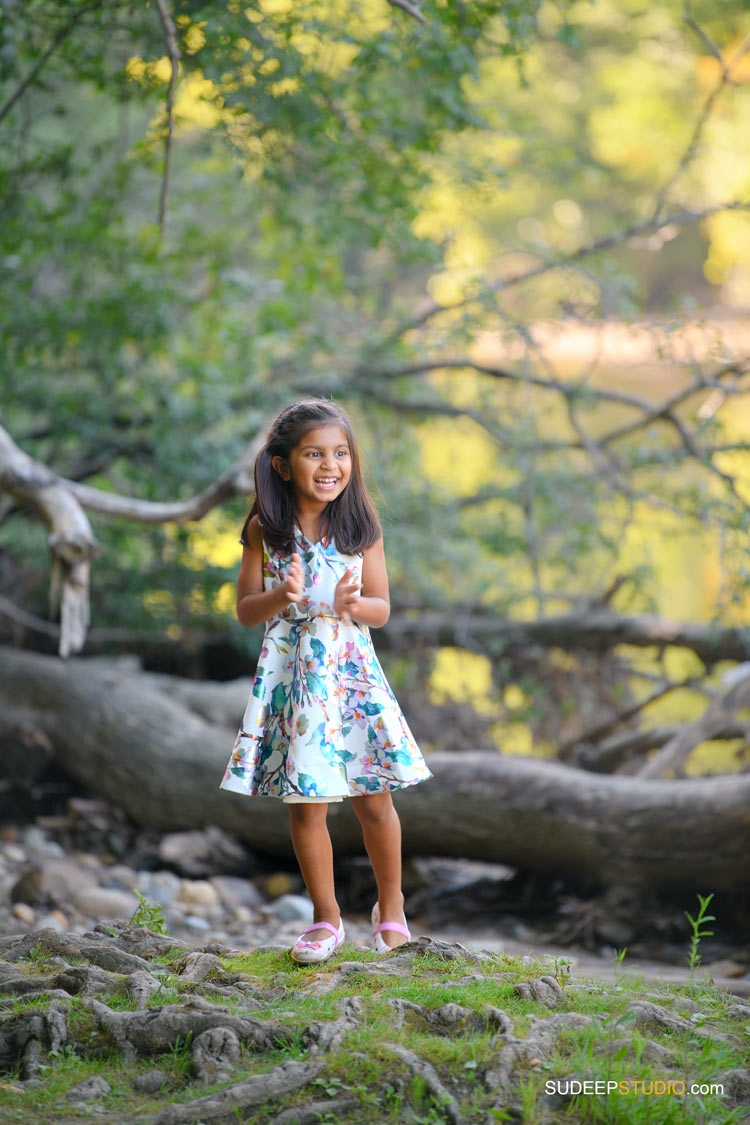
<point>312,952</point>
<point>378,927</point>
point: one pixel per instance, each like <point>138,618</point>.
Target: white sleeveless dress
<point>322,722</point>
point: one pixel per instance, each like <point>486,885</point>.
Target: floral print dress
<point>322,722</point>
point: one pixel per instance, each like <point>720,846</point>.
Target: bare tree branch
<point>28,620</point>
<point>173,54</point>
<point>624,747</point>
<point>567,388</point>
<point>706,111</point>
<point>236,481</point>
<point>61,504</point>
<point>62,34</point>
<point>716,717</point>
<point>591,630</point>
<point>410,9</point>
<point>616,238</point>
<point>566,750</point>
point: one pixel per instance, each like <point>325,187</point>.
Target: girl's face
<point>320,465</point>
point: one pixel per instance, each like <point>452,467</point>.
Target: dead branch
<point>61,502</point>
<point>173,54</point>
<point>715,718</point>
<point>71,539</point>
<point>595,630</point>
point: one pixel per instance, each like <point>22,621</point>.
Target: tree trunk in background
<point>139,748</point>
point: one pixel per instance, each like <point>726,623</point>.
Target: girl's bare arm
<point>254,604</point>
<point>370,602</point>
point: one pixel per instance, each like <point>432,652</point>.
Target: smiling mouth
<point>326,482</point>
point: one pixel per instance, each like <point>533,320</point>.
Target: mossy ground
<point>385,1089</point>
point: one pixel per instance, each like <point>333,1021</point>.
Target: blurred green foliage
<point>342,172</point>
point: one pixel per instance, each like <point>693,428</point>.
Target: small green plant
<point>179,1057</point>
<point>561,969</point>
<point>148,916</point>
<point>693,957</point>
<point>331,1086</point>
<point>618,956</point>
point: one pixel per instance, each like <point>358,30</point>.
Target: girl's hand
<point>346,596</point>
<point>295,580</point>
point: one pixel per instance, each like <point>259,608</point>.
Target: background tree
<point>465,222</point>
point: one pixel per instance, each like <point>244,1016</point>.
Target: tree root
<point>312,1113</point>
<point>538,1045</point>
<point>327,1036</point>
<point>91,947</point>
<point>427,1072</point>
<point>546,990</point>
<point>159,1029</point>
<point>453,1019</point>
<point>30,1037</point>
<point>649,1016</point>
<point>243,1096</point>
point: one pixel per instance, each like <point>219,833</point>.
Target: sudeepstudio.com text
<point>629,1086</point>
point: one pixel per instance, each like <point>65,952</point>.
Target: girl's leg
<point>312,846</point>
<point>381,830</point>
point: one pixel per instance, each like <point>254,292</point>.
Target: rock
<point>54,921</point>
<point>279,884</point>
<point>94,1087</point>
<point>235,892</point>
<point>53,882</point>
<point>160,887</point>
<point>725,968</point>
<point>199,897</point>
<point>36,843</point>
<point>24,913</point>
<point>202,853</point>
<point>214,1053</point>
<point>243,915</point>
<point>150,1082</point>
<point>195,922</point>
<point>290,908</point>
<point>118,877</point>
<point>101,902</point>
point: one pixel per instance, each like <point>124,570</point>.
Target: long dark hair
<point>350,520</point>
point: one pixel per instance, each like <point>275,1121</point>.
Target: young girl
<point>322,722</point>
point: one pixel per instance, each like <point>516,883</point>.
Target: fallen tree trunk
<point>145,752</point>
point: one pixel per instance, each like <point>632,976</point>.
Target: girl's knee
<point>307,815</point>
<point>374,809</point>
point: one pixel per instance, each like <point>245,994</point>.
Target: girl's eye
<point>342,452</point>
